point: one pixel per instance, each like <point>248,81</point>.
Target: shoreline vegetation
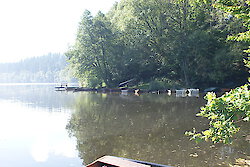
<point>141,89</point>
<point>48,68</point>
<point>166,44</point>
<point>172,44</point>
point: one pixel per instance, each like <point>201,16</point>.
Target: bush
<point>93,82</point>
<point>162,84</point>
<point>224,113</point>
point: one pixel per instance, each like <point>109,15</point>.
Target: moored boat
<point>111,161</point>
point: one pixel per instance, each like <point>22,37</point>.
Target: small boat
<point>111,161</point>
<point>71,88</point>
<point>125,82</point>
<point>60,88</point>
<point>65,87</point>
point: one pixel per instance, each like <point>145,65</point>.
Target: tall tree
<point>227,111</point>
<point>178,40</point>
<point>91,53</point>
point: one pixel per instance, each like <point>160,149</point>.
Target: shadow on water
<point>148,127</point>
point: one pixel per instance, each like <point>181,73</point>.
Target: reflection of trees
<point>149,128</point>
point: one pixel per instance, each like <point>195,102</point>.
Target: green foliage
<point>241,10</point>
<point>224,113</point>
<point>87,53</point>
<point>43,69</point>
<point>162,84</point>
<point>93,82</point>
<point>156,85</point>
<point>183,41</point>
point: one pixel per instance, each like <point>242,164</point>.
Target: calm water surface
<point>42,127</point>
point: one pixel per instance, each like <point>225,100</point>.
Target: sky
<point>31,28</point>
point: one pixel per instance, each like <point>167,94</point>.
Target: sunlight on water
<point>34,130</point>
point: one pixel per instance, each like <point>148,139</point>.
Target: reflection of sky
<point>37,95</point>
<point>34,137</point>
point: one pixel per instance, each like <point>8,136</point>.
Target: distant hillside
<point>48,68</point>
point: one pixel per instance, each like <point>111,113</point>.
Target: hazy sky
<point>36,27</point>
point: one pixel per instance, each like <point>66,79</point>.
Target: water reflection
<point>37,96</point>
<point>148,128</point>
<point>33,129</point>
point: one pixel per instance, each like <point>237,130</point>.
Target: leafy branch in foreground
<point>224,113</point>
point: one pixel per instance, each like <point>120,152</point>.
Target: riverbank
<point>179,92</point>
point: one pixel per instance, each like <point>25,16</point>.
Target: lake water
<point>43,127</point>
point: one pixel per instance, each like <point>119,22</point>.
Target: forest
<point>169,44</point>
<point>48,68</point>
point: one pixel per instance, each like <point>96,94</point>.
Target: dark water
<point>42,127</point>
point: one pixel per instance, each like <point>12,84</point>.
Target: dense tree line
<point>48,68</point>
<point>174,42</point>
<point>225,113</point>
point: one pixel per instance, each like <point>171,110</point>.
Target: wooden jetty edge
<point>111,161</point>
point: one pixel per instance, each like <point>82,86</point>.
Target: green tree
<point>91,53</point>
<point>179,40</point>
<point>170,38</point>
<point>227,111</point>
